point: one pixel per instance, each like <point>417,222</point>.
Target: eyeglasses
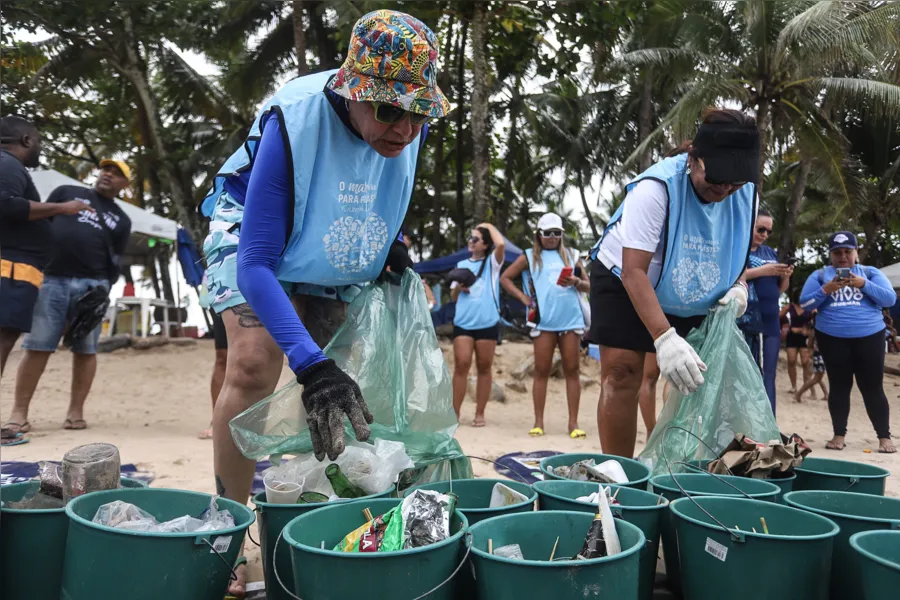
<point>713,181</point>
<point>763,230</point>
<point>391,115</point>
<point>474,239</point>
<point>551,233</point>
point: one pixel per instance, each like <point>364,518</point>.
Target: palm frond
<point>809,25</point>
<point>875,97</point>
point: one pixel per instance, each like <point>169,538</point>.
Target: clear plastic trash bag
<point>732,400</point>
<point>388,346</point>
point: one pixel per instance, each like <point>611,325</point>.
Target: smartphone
<point>843,273</point>
<point>564,274</point>
<point>790,261</point>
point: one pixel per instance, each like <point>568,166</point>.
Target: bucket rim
<point>541,491</point>
<point>705,461</point>
<point>485,510</point>
<point>676,509</point>
<point>299,546</point>
<point>62,509</point>
<point>674,488</point>
<point>881,475</point>
<point>231,505</point>
<point>789,499</point>
<point>263,504</point>
<point>556,564</point>
<point>543,465</point>
<point>855,540</point>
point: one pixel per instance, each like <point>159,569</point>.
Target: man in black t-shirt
<point>88,247</point>
<point>26,240</point>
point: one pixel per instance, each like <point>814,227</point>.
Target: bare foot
<point>479,421</point>
<point>836,443</point>
<point>799,399</point>
<point>886,446</point>
<point>206,434</point>
<point>238,588</point>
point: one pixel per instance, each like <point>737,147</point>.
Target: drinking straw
<point>553,552</point>
<point>765,527</point>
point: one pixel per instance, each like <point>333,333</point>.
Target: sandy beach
<point>152,403</point>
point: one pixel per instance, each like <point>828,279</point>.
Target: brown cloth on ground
<point>748,458</point>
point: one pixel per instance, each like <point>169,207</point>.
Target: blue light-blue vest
<point>349,201</point>
<point>559,306</point>
<point>479,308</point>
<point>706,243</point>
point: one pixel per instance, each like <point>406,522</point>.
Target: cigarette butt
<point>553,552</point>
<point>736,528</point>
<point>753,529</point>
<point>490,546</point>
<point>765,527</point>
<point>658,502</point>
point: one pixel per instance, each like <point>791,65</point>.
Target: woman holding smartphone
<point>476,323</point>
<point>850,333</point>
<point>558,276</point>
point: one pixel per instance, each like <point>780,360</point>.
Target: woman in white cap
<point>556,278</point>
<point>677,245</point>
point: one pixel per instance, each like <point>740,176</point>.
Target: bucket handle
<point>465,558</point>
<point>853,481</point>
<point>205,540</point>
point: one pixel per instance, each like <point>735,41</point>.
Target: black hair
<point>489,242</point>
<point>13,128</point>
<point>763,213</point>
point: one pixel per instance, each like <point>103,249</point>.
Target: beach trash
<point>853,513</point>
<point>271,520</point>
<point>701,484</point>
<point>90,468</point>
<point>879,558</point>
<point>718,561</point>
<point>638,474</point>
<point>786,484</point>
<point>281,492</point>
<point>321,572</point>
<point>33,544</point>
<point>841,476</point>
<point>475,497</point>
<point>103,562</point>
<point>639,507</point>
<point>536,533</point>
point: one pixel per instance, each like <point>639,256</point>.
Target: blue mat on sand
<point>523,466</point>
<point>17,471</point>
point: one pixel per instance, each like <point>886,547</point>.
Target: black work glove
<point>329,394</point>
<point>398,259</point>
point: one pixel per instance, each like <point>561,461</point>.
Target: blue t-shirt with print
<point>767,290</point>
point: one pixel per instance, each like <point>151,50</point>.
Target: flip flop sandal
<point>241,560</point>
<point>77,424</point>
<point>577,434</point>
<point>833,447</point>
<point>536,432</point>
<point>20,427</point>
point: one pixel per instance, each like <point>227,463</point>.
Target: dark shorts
<point>488,333</point>
<point>17,300</point>
<point>219,332</point>
<point>795,340</point>
<point>615,323</point>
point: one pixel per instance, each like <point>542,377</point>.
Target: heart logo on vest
<point>351,245</point>
<point>693,280</point>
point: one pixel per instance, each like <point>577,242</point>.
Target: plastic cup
<point>281,492</point>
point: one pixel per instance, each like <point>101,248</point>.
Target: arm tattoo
<point>246,317</point>
<point>220,487</point>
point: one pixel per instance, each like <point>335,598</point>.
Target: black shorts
<point>795,340</point>
<point>17,302</point>
<point>219,332</point>
<point>615,323</point>
<point>488,333</point>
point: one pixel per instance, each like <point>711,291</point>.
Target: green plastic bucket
<point>840,476</point>
<point>853,513</point>
<point>271,520</point>
<point>701,484</point>
<point>640,508</point>
<point>128,482</point>
<point>404,574</point>
<point>786,484</point>
<point>33,544</point>
<point>103,562</point>
<point>501,578</point>
<point>474,497</point>
<point>794,562</point>
<point>638,474</point>
<point>879,558</point>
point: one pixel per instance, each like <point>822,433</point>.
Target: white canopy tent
<point>892,272</point>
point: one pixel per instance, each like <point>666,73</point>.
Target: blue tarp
<point>191,262</point>
<point>446,263</point>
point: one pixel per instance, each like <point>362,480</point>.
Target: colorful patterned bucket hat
<point>393,59</point>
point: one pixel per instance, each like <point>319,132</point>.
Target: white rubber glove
<point>678,362</point>
<point>738,293</point>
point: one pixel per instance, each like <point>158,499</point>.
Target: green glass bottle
<point>312,498</point>
<point>342,486</point>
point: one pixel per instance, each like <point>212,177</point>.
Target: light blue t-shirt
<point>559,306</point>
<point>479,308</point>
<point>848,312</point>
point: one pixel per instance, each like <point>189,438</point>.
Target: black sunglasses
<point>474,239</point>
<point>713,181</point>
<point>391,115</point>
<point>551,233</point>
<point>762,230</point>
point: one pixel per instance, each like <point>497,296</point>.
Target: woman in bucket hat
<point>676,246</point>
<point>307,209</point>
